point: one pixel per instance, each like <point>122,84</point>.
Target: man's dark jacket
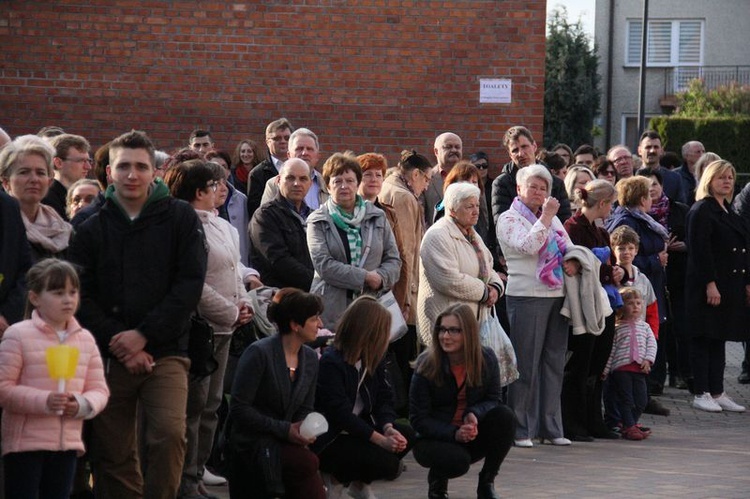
<point>256,184</point>
<point>279,246</point>
<point>145,274</point>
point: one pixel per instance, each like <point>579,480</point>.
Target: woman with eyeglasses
<point>26,173</point>
<point>350,241</point>
<point>605,170</point>
<point>224,304</point>
<point>455,408</point>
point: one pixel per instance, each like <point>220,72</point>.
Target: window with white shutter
<point>670,43</point>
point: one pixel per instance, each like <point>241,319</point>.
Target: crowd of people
<point>373,296</point>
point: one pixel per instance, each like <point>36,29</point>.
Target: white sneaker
<point>212,480</point>
<point>706,403</point>
<point>728,404</point>
<point>334,488</point>
<point>361,490</point>
<point>525,443</point>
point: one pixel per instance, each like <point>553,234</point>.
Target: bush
<point>727,100</point>
<point>724,136</point>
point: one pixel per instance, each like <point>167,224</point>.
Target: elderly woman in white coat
<point>534,241</point>
<point>455,264</point>
<point>350,241</point>
<point>224,304</point>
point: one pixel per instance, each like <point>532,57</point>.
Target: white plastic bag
<point>492,335</point>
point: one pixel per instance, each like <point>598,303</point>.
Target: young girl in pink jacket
<point>41,427</point>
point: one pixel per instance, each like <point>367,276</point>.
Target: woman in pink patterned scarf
<point>534,241</point>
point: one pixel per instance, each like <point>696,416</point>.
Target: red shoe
<point>633,433</point>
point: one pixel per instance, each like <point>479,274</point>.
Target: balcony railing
<point>677,79</point>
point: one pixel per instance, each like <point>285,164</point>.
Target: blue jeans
<point>39,474</point>
<point>631,395</point>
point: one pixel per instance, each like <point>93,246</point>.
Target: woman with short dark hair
<point>351,243</point>
<point>273,391</point>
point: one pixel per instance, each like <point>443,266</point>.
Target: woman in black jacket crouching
<point>454,405</point>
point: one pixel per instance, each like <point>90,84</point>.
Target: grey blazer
<point>335,278</point>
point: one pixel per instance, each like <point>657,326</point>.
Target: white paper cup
<point>313,425</point>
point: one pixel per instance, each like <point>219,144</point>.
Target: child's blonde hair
<point>627,293</point>
<point>49,274</point>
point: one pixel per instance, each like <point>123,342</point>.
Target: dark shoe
<point>438,487</point>
<point>486,490</point>
<point>654,406</point>
<point>581,437</point>
<point>656,390</point>
<point>744,378</point>
<point>602,431</point>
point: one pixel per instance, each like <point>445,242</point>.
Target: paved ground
<point>691,454</point>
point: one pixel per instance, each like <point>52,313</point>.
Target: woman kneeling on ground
<point>273,391</point>
<point>454,405</point>
<point>364,443</point>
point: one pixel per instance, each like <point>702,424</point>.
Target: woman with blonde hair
<point>454,405</point>
<point>576,178</point>
<point>26,173</point>
<point>363,443</point>
<point>717,290</point>
<point>582,387</point>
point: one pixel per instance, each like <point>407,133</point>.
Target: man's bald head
<point>448,150</point>
<point>295,179</point>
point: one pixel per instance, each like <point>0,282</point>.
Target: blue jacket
<point>647,259</point>
<point>15,260</point>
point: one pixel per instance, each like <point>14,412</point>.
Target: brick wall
<point>365,75</point>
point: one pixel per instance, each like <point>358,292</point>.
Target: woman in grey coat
<point>351,243</point>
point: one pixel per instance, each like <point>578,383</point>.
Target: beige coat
<point>448,275</point>
<point>408,232</point>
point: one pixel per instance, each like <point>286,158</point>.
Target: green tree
<point>572,86</point>
<point>725,101</point>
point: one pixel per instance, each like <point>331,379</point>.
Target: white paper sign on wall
<point>494,91</point>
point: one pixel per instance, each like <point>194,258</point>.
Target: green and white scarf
<point>349,223</point>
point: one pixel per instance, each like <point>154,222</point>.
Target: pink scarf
<point>549,265</point>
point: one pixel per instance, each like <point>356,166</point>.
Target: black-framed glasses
<point>482,166</point>
<point>452,331</point>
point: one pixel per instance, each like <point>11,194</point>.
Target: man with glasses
<point>448,151</point>
<point>621,157</point>
<point>277,139</point>
<point>304,145</point>
<point>71,163</point>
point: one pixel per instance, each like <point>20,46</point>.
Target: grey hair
<point>456,193</point>
<point>21,146</point>
<point>531,171</point>
<point>303,132</point>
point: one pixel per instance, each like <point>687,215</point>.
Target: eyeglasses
<point>213,186</point>
<point>622,158</point>
<point>609,173</point>
<point>481,166</point>
<point>452,331</point>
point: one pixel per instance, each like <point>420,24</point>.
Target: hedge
<point>724,136</point>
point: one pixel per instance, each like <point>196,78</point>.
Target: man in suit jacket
<point>650,151</point>
<point>448,151</point>
<point>277,140</point>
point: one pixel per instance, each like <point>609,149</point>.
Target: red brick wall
<point>365,75</point>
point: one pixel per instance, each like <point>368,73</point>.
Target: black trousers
<point>708,358</point>
<point>351,459</point>
<point>453,459</point>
